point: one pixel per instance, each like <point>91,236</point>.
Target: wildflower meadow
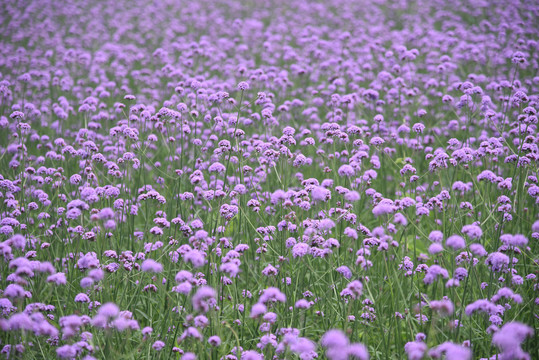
<point>280,179</point>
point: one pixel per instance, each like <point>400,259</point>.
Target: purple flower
<point>183,275</point>
<point>214,340</point>
<point>257,310</point>
<point>319,193</point>
<point>230,268</point>
<point>300,250</point>
<point>150,265</point>
<point>346,170</point>
<point>82,298</point>
<point>377,141</point>
<point>455,242</point>
<point>302,304</point>
<point>344,271</point>
<point>203,299</point>
<point>514,240</point>
<point>433,272</point>
<point>474,232</point>
<point>217,167</point>
<point>452,351</point>
<point>497,261</point>
<point>334,339</point>
<point>301,346</point>
<point>415,350</point>
<point>270,270</point>
<point>14,291</point>
<point>509,339</point>
<point>478,250</point>
<point>443,307</point>
<point>383,209</point>
<point>482,305</point>
<point>18,241</point>
<point>436,236</point>
<point>358,351</point>
<point>435,248</point>
<point>418,128</point>
<point>272,294</point>
<point>158,345</point>
<point>243,85</point>
<point>352,196</point>
<point>108,310</point>
<point>66,352</point>
<point>195,257</point>
<point>58,279</point>
<point>353,290</point>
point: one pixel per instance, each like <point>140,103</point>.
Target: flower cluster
<point>244,180</point>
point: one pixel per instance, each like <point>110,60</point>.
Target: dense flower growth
<point>274,179</point>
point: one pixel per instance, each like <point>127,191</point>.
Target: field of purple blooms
<point>276,179</point>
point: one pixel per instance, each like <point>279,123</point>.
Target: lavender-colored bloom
<point>320,194</point>
<point>435,248</point>
<point>436,236</point>
<point>106,214</point>
<point>195,257</point>
<point>14,291</point>
<point>302,304</point>
<point>452,351</point>
<point>346,170</point>
<point>18,241</point>
<point>86,282</point>
<point>301,346</point>
<point>443,307</point>
<point>300,250</point>
<point>383,209</point>
<point>433,272</point>
<point>509,339</point>
<point>243,85</point>
<point>358,351</point>
<point>460,273</point>
<point>158,345</point>
<point>108,310</point>
<point>415,350</point>
<point>418,128</point>
<point>203,299</point>
<point>82,298</point>
<point>455,242</point>
<point>514,240</point>
<point>472,231</point>
<point>257,310</point>
<point>334,339</point>
<point>344,271</point>
<point>270,270</point>
<point>478,250</point>
<point>272,294</point>
<point>214,340</point>
<point>150,265</point>
<point>66,352</point>
<point>352,196</point>
<point>482,305</point>
<point>353,290</point>
<point>217,167</point>
<point>58,279</point>
<point>497,261</point>
<point>183,275</point>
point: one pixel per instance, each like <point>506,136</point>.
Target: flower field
<point>247,180</point>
